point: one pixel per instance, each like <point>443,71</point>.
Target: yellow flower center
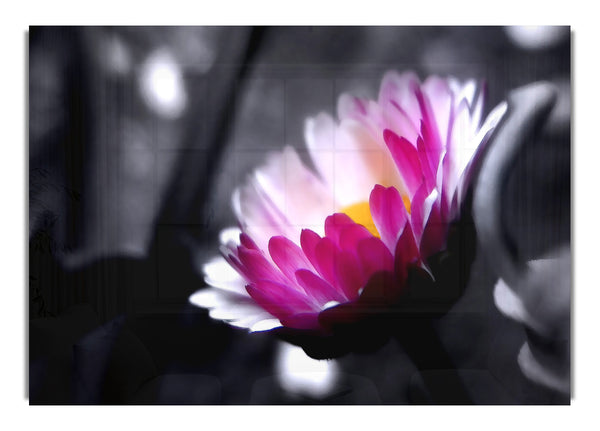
<point>361,213</point>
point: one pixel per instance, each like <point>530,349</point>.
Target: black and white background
<point>138,137</point>
<point>81,252</point>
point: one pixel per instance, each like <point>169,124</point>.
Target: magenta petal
<point>247,242</point>
<point>417,211</point>
<point>334,224</point>
<point>308,242</point>
<point>278,299</point>
<point>406,248</point>
<point>325,256</point>
<point>407,253</point>
<point>317,288</point>
<point>306,321</point>
<point>441,101</point>
<point>428,158</point>
<point>449,184</point>
<point>389,213</point>
<point>406,157</point>
<point>382,289</point>
<point>287,256</point>
<point>256,267</point>
<point>374,255</point>
<point>434,234</point>
<point>429,129</point>
<point>349,274</point>
<point>351,235</point>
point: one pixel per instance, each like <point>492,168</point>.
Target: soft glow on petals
<point>380,200</point>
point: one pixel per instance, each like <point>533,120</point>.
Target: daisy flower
<point>386,181</point>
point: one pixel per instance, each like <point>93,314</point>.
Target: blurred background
<point>138,137</point>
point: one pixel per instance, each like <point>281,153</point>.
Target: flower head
<point>387,181</point>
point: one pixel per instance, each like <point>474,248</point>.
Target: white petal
<point>349,160</point>
<point>250,320</point>
<point>218,273</point>
<point>491,121</point>
<point>237,310</point>
<point>399,87</point>
<point>467,91</point>
<point>477,111</point>
<point>207,298</point>
<point>427,205</point>
<point>258,215</point>
<point>462,144</point>
<point>282,198</point>
<point>265,325</point>
<point>440,98</point>
<point>299,194</point>
<point>230,234</point>
<point>399,122</point>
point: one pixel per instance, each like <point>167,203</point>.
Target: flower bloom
<point>386,184</point>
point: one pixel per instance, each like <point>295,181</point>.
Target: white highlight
<point>218,273</point>
<point>161,84</point>
<point>265,325</point>
<point>536,37</point>
<point>206,298</point>
<point>334,303</point>
<point>299,374</point>
<point>230,234</point>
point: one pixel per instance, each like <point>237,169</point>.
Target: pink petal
<point>278,299</point>
<point>351,235</point>
<point>334,224</point>
<point>325,256</point>
<point>351,107</point>
<point>305,321</point>
<point>448,187</point>
<point>389,214</point>
<point>308,242</point>
<point>317,288</point>
<point>429,128</point>
<point>426,158</point>
<point>434,234</point>
<point>256,267</point>
<point>400,122</point>
<point>247,242</point>
<point>381,290</point>
<point>287,256</point>
<point>374,255</point>
<point>406,157</point>
<point>348,274</point>
<point>441,100</point>
<point>406,253</point>
<point>400,89</point>
<point>420,208</point>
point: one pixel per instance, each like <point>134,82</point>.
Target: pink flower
<point>388,180</point>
